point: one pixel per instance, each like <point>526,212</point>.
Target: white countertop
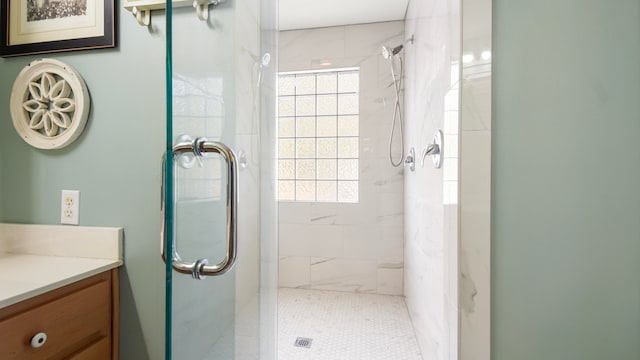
<point>25,276</point>
<point>35,259</point>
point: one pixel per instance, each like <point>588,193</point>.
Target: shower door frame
<point>474,206</point>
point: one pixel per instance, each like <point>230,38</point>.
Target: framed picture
<point>42,26</point>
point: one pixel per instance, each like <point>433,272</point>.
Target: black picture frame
<point>106,40</point>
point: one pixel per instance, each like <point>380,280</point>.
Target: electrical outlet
<point>70,207</point>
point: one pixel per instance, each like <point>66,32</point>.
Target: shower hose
<point>397,115</point>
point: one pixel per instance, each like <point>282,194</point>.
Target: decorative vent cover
<point>49,104</point>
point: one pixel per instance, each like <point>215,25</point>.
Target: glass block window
<point>318,135</point>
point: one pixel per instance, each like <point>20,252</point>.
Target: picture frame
<point>45,26</point>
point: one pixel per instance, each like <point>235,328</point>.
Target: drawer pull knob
<point>38,340</point>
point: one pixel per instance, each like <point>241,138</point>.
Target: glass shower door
<point>219,210</point>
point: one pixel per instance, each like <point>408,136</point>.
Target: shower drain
<point>303,342</point>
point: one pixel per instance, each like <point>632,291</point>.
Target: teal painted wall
<point>115,165</point>
<point>566,171</point>
<point>2,201</point>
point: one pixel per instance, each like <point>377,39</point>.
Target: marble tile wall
<point>349,247</point>
<point>431,204</point>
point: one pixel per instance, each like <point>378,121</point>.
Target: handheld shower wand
<point>390,54</point>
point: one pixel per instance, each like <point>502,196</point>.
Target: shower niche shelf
<point>141,9</point>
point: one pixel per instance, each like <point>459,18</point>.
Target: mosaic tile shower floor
<point>344,326</point>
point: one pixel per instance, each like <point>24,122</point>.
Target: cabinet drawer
<point>72,322</point>
<point>94,351</point>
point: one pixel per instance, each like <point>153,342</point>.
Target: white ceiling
<point>305,14</point>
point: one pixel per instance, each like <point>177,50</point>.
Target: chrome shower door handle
<point>203,147</point>
<point>201,267</point>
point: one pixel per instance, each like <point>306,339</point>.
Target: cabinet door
<point>73,318</point>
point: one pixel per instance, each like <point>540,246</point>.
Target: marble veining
<point>326,217</point>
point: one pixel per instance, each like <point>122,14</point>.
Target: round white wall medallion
<point>49,104</point>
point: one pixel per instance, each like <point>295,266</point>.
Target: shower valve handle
<point>431,149</point>
<point>434,150</point>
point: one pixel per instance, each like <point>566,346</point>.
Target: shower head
<point>388,53</point>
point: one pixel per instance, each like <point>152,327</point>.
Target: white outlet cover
<point>70,207</point>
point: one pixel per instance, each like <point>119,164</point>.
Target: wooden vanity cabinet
<point>80,321</point>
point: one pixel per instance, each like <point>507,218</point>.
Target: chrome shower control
<point>434,150</point>
<point>410,161</point>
